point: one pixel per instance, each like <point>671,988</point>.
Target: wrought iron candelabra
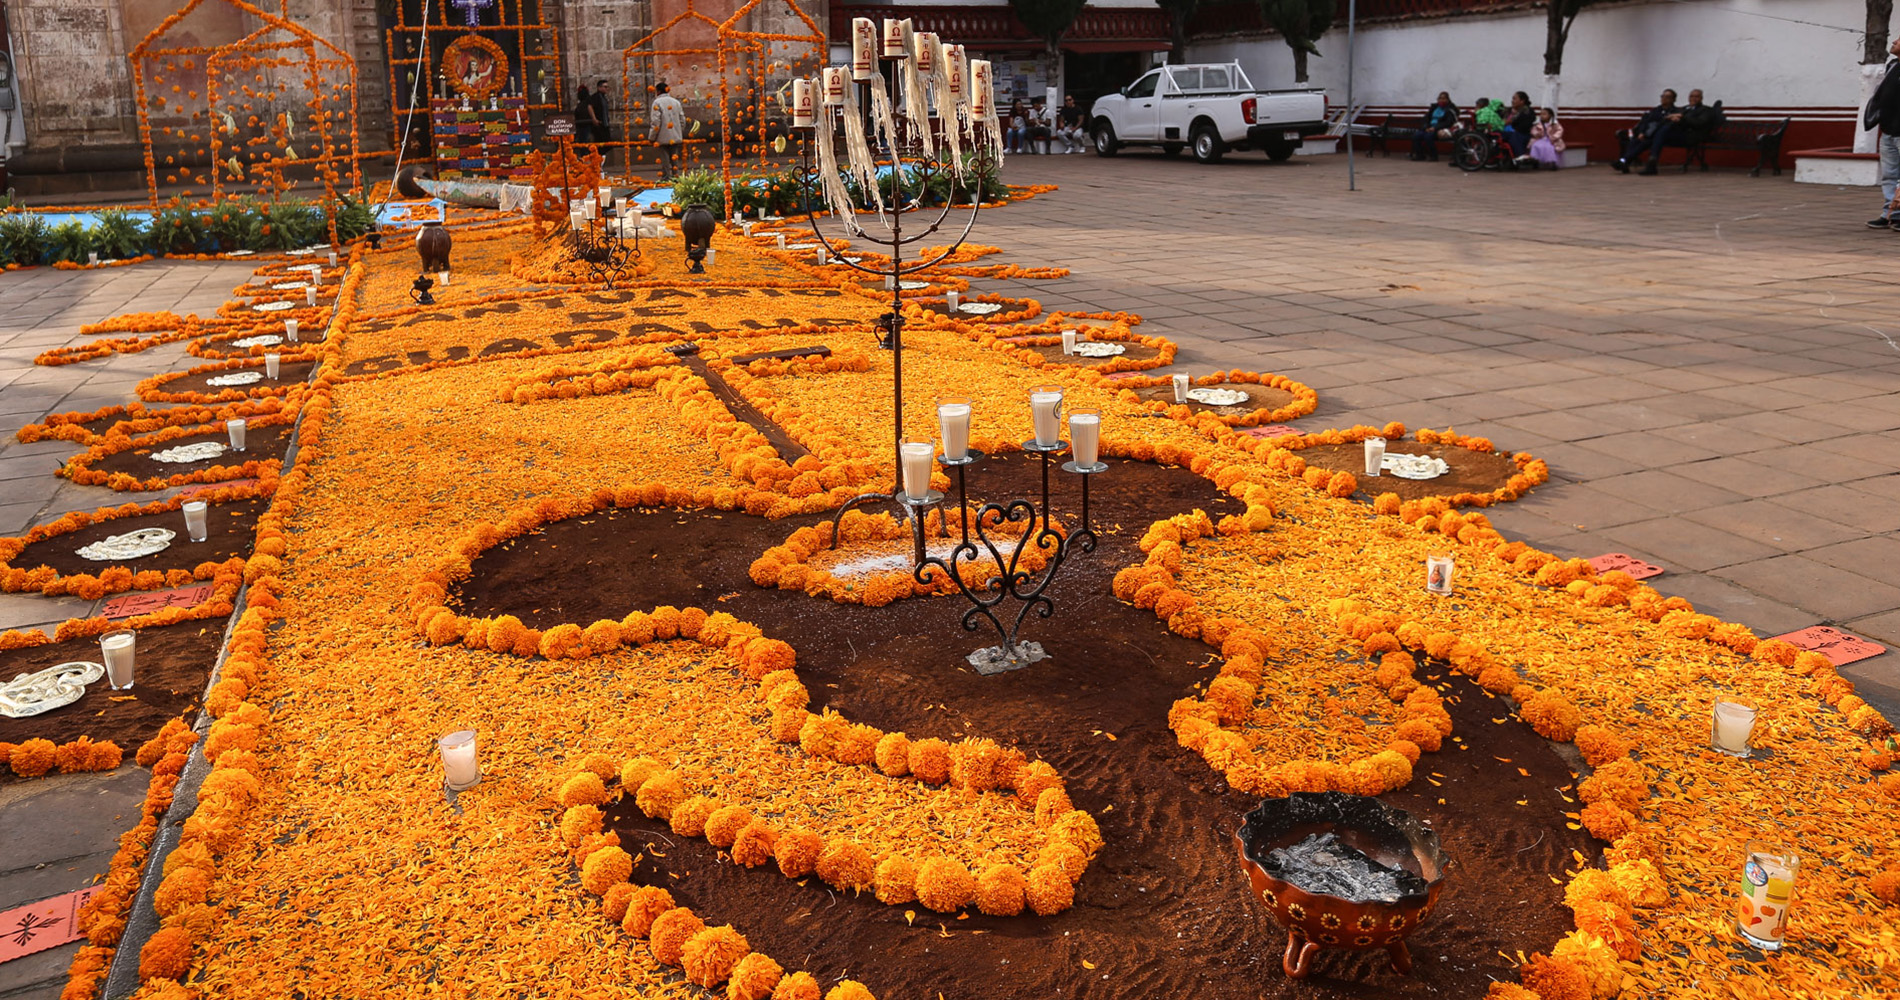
<point>601,244</point>
<point>922,142</point>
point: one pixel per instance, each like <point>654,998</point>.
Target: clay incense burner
<point>1389,837</point>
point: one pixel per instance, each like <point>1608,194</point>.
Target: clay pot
<point>1391,837</point>
<point>696,225</point>
<point>432,245</point>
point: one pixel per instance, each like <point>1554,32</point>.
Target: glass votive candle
<point>290,330</point>
<point>1085,435</point>
<point>1767,892</point>
<point>1045,404</point>
<point>952,301</point>
<point>117,649</point>
<point>459,767</point>
<point>781,240</point>
<point>92,258</point>
<point>1731,722</point>
<point>746,228</point>
<point>1439,570</point>
<point>821,255</point>
<point>442,277</point>
<point>1068,341</point>
<point>1180,383</point>
<point>953,424</point>
<point>712,254</point>
<point>235,428</point>
<point>918,457</point>
<point>271,365</point>
<point>197,520</point>
<point>333,258</point>
<point>1375,455</point>
<point>310,295</point>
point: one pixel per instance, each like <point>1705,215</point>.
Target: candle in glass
<point>93,259</point>
<point>1180,383</point>
<point>917,461</point>
<point>1768,874</point>
<point>310,295</point>
<point>951,301</point>
<point>1045,404</point>
<point>117,649</point>
<point>442,277</point>
<point>781,240</point>
<point>802,116</point>
<point>1068,341</point>
<point>746,228</point>
<point>271,362</point>
<point>290,330</point>
<point>1733,722</point>
<point>333,258</point>
<point>458,759</point>
<point>834,81</point>
<point>953,423</point>
<point>1085,435</point>
<point>1438,573</point>
<point>1375,455</point>
<point>235,428</point>
<point>821,254</point>
<point>863,48</point>
<point>196,520</point>
<point>712,253</point>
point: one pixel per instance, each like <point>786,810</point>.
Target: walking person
<point>666,126</point>
<point>1883,113</point>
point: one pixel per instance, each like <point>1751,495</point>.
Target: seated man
<point>1439,122</point>
<point>1699,120</point>
<point>1069,126</point>
<point>1041,126</point>
<point>1659,125</point>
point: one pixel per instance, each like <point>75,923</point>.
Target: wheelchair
<point>1476,149</point>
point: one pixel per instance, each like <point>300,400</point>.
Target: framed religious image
<point>476,67</point>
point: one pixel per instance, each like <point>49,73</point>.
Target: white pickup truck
<point>1210,107</point>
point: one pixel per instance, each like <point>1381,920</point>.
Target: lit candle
<point>117,649</point>
<point>458,760</point>
<point>834,78</point>
<point>1068,341</point>
<point>982,93</point>
<point>802,116</point>
<point>1733,723</point>
<point>917,460</point>
<point>1375,455</point>
<point>1438,573</point>
<point>1180,387</point>
<point>1045,402</point>
<point>443,277</point>
<point>270,365</point>
<point>953,423</point>
<point>863,48</point>
<point>950,301</point>
<point>1085,435</point>
<point>196,525</point>
<point>310,295</point>
<point>290,330</point>
<point>235,428</point>
<point>894,38</point>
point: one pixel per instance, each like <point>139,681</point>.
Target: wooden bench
<point>1764,138</point>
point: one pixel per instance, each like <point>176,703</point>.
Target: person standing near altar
<point>667,120</point>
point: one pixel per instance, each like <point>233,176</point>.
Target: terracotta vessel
<point>432,245</point>
<point>1388,836</point>
<point>696,225</point>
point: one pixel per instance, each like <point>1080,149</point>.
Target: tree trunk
<point>1299,65</point>
<point>1177,24</point>
<point>1556,31</point>
<point>1879,12</point>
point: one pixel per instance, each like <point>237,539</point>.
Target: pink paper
<point>127,605</point>
<point>1836,645</point>
<point>36,927</point>
<point>1629,564</point>
<point>1269,431</point>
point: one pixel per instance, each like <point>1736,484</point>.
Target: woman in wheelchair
<point>1494,141</point>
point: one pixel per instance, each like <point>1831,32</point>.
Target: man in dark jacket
<point>1439,122</point>
<point>1650,133</point>
<point>601,133</point>
<point>1883,113</point>
<point>1699,120</point>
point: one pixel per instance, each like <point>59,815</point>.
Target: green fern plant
<point>288,225</point>
<point>176,228</point>
<point>235,224</point>
<point>117,235</point>
<point>22,238</point>
<point>68,241</point>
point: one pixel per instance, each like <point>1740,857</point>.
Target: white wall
<point>1617,57</point>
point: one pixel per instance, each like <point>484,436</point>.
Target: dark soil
<point>939,307</point>
<point>168,680</point>
<point>1471,471</point>
<point>260,443</point>
<point>1053,352</point>
<point>788,450</point>
<point>1165,910</point>
<point>232,530</point>
<point>1259,397</point>
<point>289,373</point>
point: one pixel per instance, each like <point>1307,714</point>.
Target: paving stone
<point>1815,586</point>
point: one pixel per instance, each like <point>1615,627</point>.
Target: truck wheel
<point>1280,150</point>
<point>1105,143</point>
<point>1207,145</point>
<point>1170,149</point>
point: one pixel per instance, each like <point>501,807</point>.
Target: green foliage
<point>235,224</point>
<point>940,185</point>
<point>68,241</point>
<point>118,235</point>
<point>1301,23</point>
<point>703,186</point>
<point>176,228</point>
<point>22,238</point>
<point>1049,19</point>
<point>287,225</point>
<point>779,193</point>
<point>353,218</point>
<point>900,187</point>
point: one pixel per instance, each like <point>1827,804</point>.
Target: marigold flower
<point>179,889</point>
<point>893,755</point>
<point>1641,883</point>
<point>689,817</point>
<point>660,794</point>
<point>845,864</point>
<point>605,868</point>
<point>1613,925</point>
<point>850,989</point>
<point>756,844</point>
<point>1508,991</point>
<point>754,978</point>
<point>1593,885</point>
<point>1049,890</point>
<point>1598,745</point>
<point>930,761</point>
<point>1079,828</point>
<point>724,825</point>
<point>613,905</point>
<point>646,905</point>
<point>670,931</point>
<point>709,956</point>
<point>1342,484</point>
<point>635,772</point>
<point>788,722</point>
<point>1233,698</point>
<point>944,885</point>
<point>583,789</point>
<point>34,758</point>
<point>999,890</point>
<point>895,880</point>
<point>1555,978</point>
<point>1622,781</point>
<point>166,955</point>
<point>797,986</point>
<point>1386,503</point>
<point>600,764</point>
<point>1886,885</point>
<point>1607,821</point>
<point>1551,715</point>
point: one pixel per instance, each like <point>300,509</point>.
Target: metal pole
<point>1352,110</point>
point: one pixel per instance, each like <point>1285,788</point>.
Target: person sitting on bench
<point>1439,122</point>
<point>1517,127</point>
<point>1659,125</point>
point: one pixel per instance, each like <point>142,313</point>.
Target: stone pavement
<point>1709,362</point>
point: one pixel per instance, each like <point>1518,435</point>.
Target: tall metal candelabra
<point>910,143</point>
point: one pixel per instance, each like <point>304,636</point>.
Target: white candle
<point>1085,435</point>
<point>863,48</point>
<point>1045,401</point>
<point>1375,455</point>
<point>834,79</point>
<point>801,104</point>
<point>458,759</point>
<point>443,277</point>
<point>290,330</point>
<point>575,220</point>
<point>1438,573</point>
<point>93,259</point>
<point>953,423</point>
<point>310,295</point>
<point>746,228</point>
<point>894,38</point>
<point>270,365</point>
<point>636,216</point>
<point>235,428</point>
<point>117,649</point>
<point>1180,387</point>
<point>781,240</point>
<point>955,68</point>
<point>711,254</point>
<point>1068,341</point>
<point>606,195</point>
<point>951,301</point>
<point>821,254</point>
<point>982,93</point>
<point>333,258</point>
<point>917,461</point>
<point>925,45</point>
<point>1733,723</point>
<point>196,525</point>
